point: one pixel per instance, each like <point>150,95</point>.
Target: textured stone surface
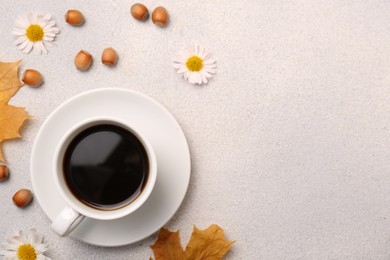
<point>290,141</point>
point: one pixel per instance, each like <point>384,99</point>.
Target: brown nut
<point>160,16</point>
<point>22,198</point>
<point>74,17</point>
<point>109,57</point>
<point>83,60</point>
<point>139,12</point>
<point>4,173</point>
<point>32,78</point>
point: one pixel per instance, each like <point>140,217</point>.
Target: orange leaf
<point>167,246</point>
<point>207,244</point>
<point>11,119</point>
<point>1,154</point>
<point>9,80</point>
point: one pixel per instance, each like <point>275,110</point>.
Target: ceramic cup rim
<point>75,203</point>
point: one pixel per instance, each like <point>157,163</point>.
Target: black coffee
<point>106,167</point>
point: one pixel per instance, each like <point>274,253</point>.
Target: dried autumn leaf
<point>1,154</point>
<point>207,244</point>
<point>9,80</point>
<point>11,119</point>
<point>167,246</point>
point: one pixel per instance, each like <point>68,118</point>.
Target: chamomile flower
<point>195,65</point>
<point>24,246</point>
<point>34,31</point>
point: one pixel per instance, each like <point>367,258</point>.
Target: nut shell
<point>74,17</point>
<point>139,12</point>
<point>160,16</point>
<point>22,198</point>
<point>4,173</point>
<point>83,60</point>
<point>109,57</point>
<point>33,78</point>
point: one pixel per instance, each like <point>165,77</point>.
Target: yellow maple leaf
<point>168,246</point>
<point>9,80</point>
<point>208,244</point>
<point>11,117</point>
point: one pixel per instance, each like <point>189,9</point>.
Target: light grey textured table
<point>290,141</point>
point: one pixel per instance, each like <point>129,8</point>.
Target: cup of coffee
<point>104,169</point>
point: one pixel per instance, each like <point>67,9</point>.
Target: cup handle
<point>66,221</point>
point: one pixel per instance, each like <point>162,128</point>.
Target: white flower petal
<point>47,38</point>
<point>186,75</point>
<point>8,246</point>
<point>10,257</point>
<point>182,70</point>
<point>196,49</point>
<point>23,45</point>
<point>32,237</point>
<point>34,18</point>
<point>20,40</point>
<point>18,32</point>
<point>178,59</point>
<point>28,47</point>
<point>21,23</point>
<point>36,48</point>
<point>14,240</point>
<point>41,257</point>
<point>207,54</point>
<point>52,29</point>
<point>201,52</point>
<point>47,17</point>
<point>204,78</point>
<point>206,74</point>
<point>42,22</point>
<point>47,44</point>
<point>192,78</point>
<point>177,65</point>
<point>209,61</point>
<point>210,70</point>
<point>50,34</point>
<point>41,248</point>
<point>42,47</point>
<point>199,78</point>
<point>50,24</point>
<point>211,66</point>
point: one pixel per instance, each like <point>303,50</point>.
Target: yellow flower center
<point>194,63</point>
<point>35,33</point>
<point>26,252</point>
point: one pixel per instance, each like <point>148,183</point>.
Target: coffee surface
<point>106,167</point>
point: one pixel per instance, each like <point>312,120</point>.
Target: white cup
<point>76,210</point>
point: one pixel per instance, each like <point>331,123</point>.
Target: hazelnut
<point>22,198</point>
<point>109,57</point>
<point>160,16</point>
<point>32,78</point>
<point>83,60</point>
<point>4,173</point>
<point>74,17</point>
<point>139,11</point>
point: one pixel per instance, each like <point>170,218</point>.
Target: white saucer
<point>163,132</point>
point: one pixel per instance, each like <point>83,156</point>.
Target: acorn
<point>160,16</point>
<point>109,57</point>
<point>22,198</point>
<point>74,17</point>
<point>32,78</point>
<point>4,173</point>
<point>83,60</point>
<point>139,12</point>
